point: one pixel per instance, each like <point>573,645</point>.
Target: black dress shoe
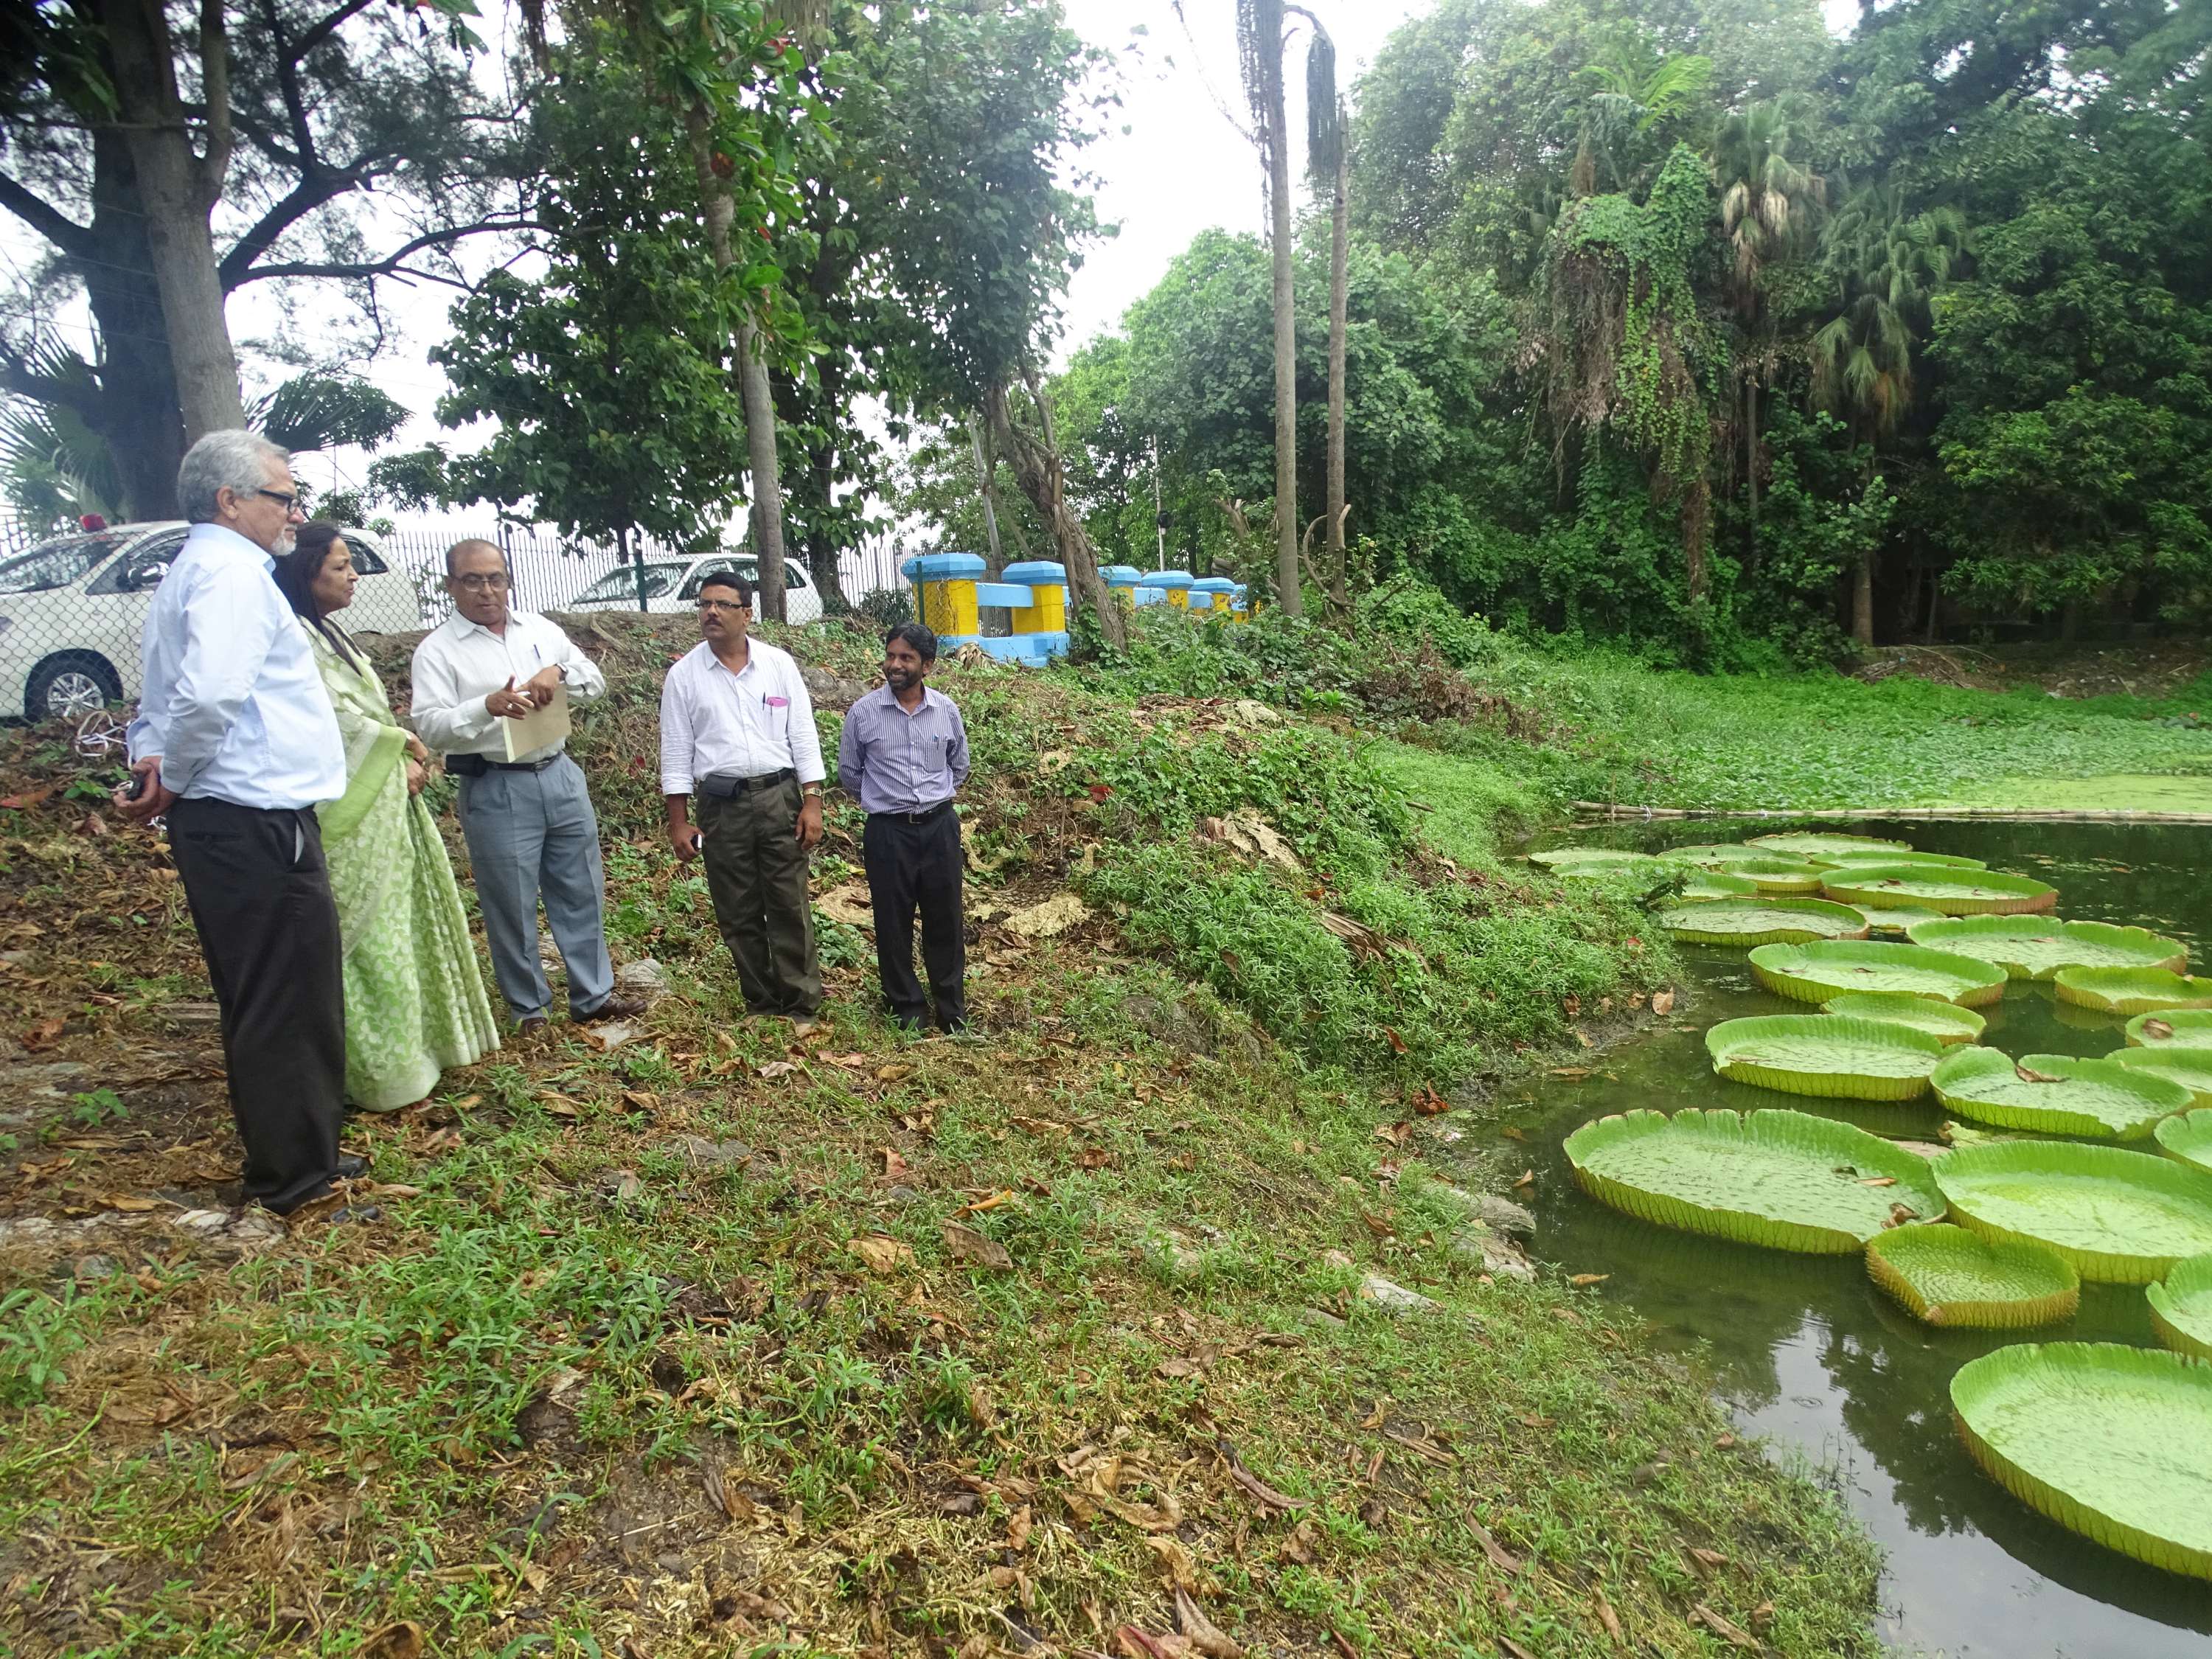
<point>614,1007</point>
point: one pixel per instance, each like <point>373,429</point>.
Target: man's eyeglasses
<point>496,583</point>
<point>719,607</point>
<point>289,503</point>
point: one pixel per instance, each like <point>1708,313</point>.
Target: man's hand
<point>417,774</point>
<point>684,839</point>
<point>508,703</point>
<point>154,798</point>
<point>810,823</point>
<point>540,686</point>
<point>415,748</point>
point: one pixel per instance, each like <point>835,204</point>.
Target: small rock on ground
<point>706,1154</point>
<point>1505,1216</point>
<point>1501,1258</point>
<point>643,978</point>
<point>1383,1293</point>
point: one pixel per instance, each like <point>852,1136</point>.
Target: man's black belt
<point>727,786</point>
<point>475,766</point>
<point>922,816</point>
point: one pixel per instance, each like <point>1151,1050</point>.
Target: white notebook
<point>538,729</point>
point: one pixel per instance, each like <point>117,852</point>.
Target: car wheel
<point>69,686</point>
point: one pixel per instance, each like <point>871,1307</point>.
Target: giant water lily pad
<point>2036,947</point>
<point>2131,990</point>
<point>2056,1094</point>
<point>2173,1028</point>
<point>2190,1067</point>
<point>1724,855</point>
<point>1944,1020</point>
<point>2121,1217</point>
<point>1759,920</point>
<point>1786,1180</point>
<point>1700,884</point>
<point>1954,892</point>
<point>1554,857</point>
<point>2181,1307</point>
<point>2113,1443</point>
<point>2188,1139</point>
<point>1833,968</point>
<point>1815,843</point>
<point>1850,862</point>
<point>1894,921</point>
<point>1821,1055</point>
<point>1948,1276</point>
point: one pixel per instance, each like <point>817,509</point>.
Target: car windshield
<point>622,583</point>
<point>57,564</point>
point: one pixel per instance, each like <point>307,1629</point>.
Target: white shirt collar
<point>222,538</point>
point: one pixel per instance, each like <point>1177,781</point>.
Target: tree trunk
<point>767,469</point>
<point>1751,470</point>
<point>136,410</point>
<point>1037,469</point>
<point>719,209</point>
<point>1340,600</point>
<point>177,189</point>
<point>1862,599</point>
<point>1277,141</point>
<point>986,470</point>
<point>821,546</point>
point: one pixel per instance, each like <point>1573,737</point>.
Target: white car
<point>71,611</point>
<point>671,585</point>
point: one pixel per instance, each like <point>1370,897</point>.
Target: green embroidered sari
<point>415,998</point>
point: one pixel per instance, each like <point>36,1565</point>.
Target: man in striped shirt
<point>737,731</point>
<point>903,753</point>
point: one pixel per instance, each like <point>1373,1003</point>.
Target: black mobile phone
<point>136,788</point>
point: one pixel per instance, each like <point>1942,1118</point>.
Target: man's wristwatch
<point>811,790</point>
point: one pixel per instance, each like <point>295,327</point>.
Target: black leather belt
<point>475,766</point>
<point>922,816</point>
<point>727,786</point>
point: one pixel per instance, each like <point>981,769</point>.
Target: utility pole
<point>1159,518</point>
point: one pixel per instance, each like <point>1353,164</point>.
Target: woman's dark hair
<point>295,576</point>
<point>923,641</point>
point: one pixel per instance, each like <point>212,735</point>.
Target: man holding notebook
<point>492,688</point>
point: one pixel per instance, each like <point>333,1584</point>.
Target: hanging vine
<point>1622,344</point>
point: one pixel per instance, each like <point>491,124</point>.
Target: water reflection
<point>1804,1350</point>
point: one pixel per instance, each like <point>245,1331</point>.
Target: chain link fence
<point>72,607</point>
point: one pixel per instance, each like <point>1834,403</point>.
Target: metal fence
<point>72,607</point>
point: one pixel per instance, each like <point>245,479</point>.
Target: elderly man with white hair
<point>236,742</point>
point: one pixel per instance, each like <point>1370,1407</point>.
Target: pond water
<point>1809,1353</point>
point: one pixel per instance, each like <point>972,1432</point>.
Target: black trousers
<point>260,897</point>
<point>917,866</point>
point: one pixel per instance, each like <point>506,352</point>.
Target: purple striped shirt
<point>897,761</point>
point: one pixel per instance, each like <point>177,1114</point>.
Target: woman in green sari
<point>414,1000</point>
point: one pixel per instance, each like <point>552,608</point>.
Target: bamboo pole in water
<point>2078,815</point>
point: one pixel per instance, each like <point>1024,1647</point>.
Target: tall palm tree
<point>1888,265</point>
<point>1771,205</point>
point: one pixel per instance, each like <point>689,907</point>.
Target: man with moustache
<point>235,742</point>
<point>529,822</point>
<point>903,754</point>
<point>737,729</point>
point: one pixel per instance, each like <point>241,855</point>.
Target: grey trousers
<point>532,834</point>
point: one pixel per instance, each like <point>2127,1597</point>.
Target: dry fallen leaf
<point>1662,1002</point>
<point>776,1068</point>
<point>1501,1558</point>
<point>1514,1647</point>
<point>882,1253</point>
<point>973,1247</point>
<point>893,1073</point>
<point>1178,1566</point>
<point>1732,1634</point>
<point>1606,1616</point>
<point>43,1034</point>
<point>133,1205</point>
<point>1266,1494</point>
<point>1017,1529</point>
<point>558,1105</point>
<point>627,1185</point>
<point>1208,1638</point>
<point>1527,1178</point>
<point>1708,1562</point>
<point>401,1641</point>
<point>2157,1030</point>
<point>1003,1195</point>
<point>1397,1043</point>
<point>1580,1279</point>
<point>1427,1103</point>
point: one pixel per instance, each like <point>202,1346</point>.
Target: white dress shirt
<point>757,721</point>
<point>230,698</point>
<point>460,662</point>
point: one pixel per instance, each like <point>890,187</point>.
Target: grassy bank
<point>717,1342</point>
